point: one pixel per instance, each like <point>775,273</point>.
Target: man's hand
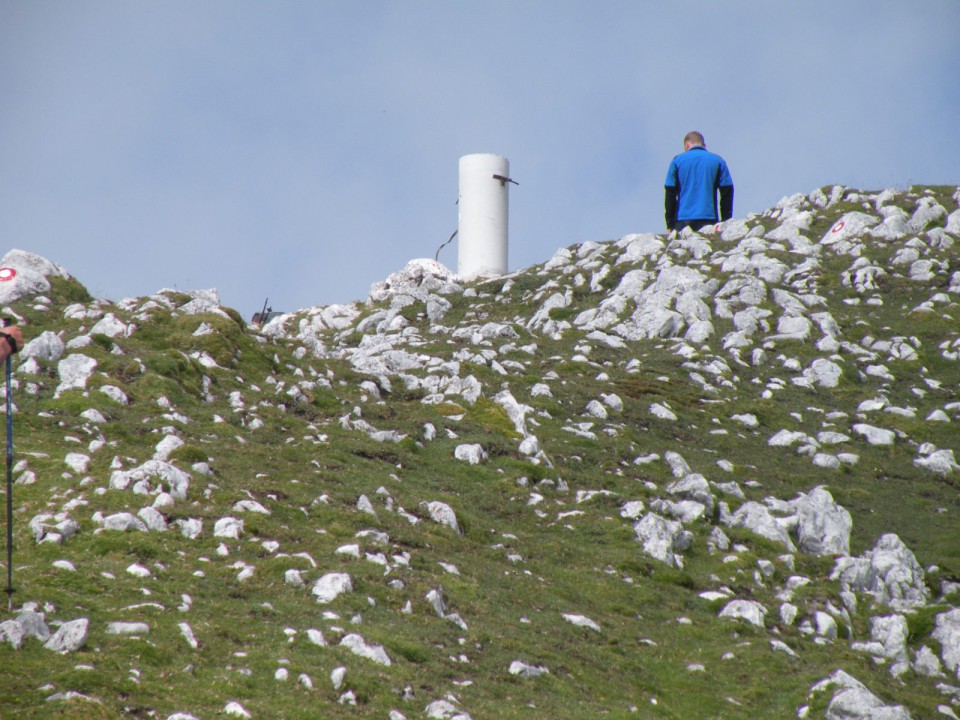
<point>11,341</point>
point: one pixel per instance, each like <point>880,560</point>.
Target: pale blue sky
<point>303,150</point>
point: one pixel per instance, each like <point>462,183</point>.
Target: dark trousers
<point>693,224</point>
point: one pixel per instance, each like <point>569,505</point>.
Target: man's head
<point>693,139</point>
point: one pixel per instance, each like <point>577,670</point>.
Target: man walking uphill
<point>694,178</point>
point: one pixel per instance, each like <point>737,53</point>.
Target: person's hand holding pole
<point>12,341</point>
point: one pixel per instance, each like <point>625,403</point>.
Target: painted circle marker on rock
<point>838,227</point>
<point>7,274</point>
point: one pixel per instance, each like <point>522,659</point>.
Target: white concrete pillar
<point>483,216</point>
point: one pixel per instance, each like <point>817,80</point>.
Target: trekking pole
<point>9,487</point>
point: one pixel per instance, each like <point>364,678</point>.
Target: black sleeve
<point>670,206</point>
<point>726,202</point>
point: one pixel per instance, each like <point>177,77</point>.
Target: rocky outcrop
<point>889,573</point>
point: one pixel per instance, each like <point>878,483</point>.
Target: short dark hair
<point>694,138</point>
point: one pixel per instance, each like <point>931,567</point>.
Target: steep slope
<point>703,476</point>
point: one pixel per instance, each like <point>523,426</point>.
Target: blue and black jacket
<point>694,179</point>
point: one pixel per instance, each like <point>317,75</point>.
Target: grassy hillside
<point>288,417</point>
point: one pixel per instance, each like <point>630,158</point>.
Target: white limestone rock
<point>444,710</point>
<point>596,410</point>
<point>164,501</point>
<point>516,411</point>
<point>473,453</point>
<point>124,521</point>
<point>678,466</point>
<point>111,326</point>
<point>294,578</point>
<point>825,625</point>
<point>788,613</point>
<point>235,709</point>
<point>823,373</point>
<point>781,646</point>
<point>928,211</point>
<point>823,526</point>
<point>128,628</point>
<point>74,371</point>
<point>792,327</point>
<point>686,511</point>
<point>138,570</point>
<point>166,446</point>
<point>894,226</point>
<point>187,633</point>
<point>524,670</point>
<point>47,347</point>
<point>947,632</point>
<point>78,462</point>
<point>717,540</point>
<point>891,632</point>
<point>79,311</point>
<point>636,247</point>
<point>201,301</point>
<point>11,632</point>
<point>153,519</point>
<point>750,610</point>
<point>190,528</point>
<point>331,586</point>
<point>93,415</point>
<point>529,446</point>
<point>663,539</point>
<point>581,621</point>
<point>442,513</point>
<point>661,411</point>
<point>418,278</point>
<point>30,275</point>
<point>851,700</point>
<point>926,663</point>
<point>757,519</point>
<point>786,438</point>
<point>350,550</point>
<point>70,636</point>
<point>694,487</point>
<point>941,462</point>
<point>228,527</point>
<point>364,505</point>
<point>115,394</point>
<point>827,461</point>
<point>336,677</point>
<point>889,573</point>
<point>250,506</point>
<point>875,435</point>
<point>358,646</point>
<point>177,481</point>
<point>57,529</point>
<point>316,637</point>
<point>437,601</point>
<point>849,227</point>
<point>541,390</point>
<point>33,624</point>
